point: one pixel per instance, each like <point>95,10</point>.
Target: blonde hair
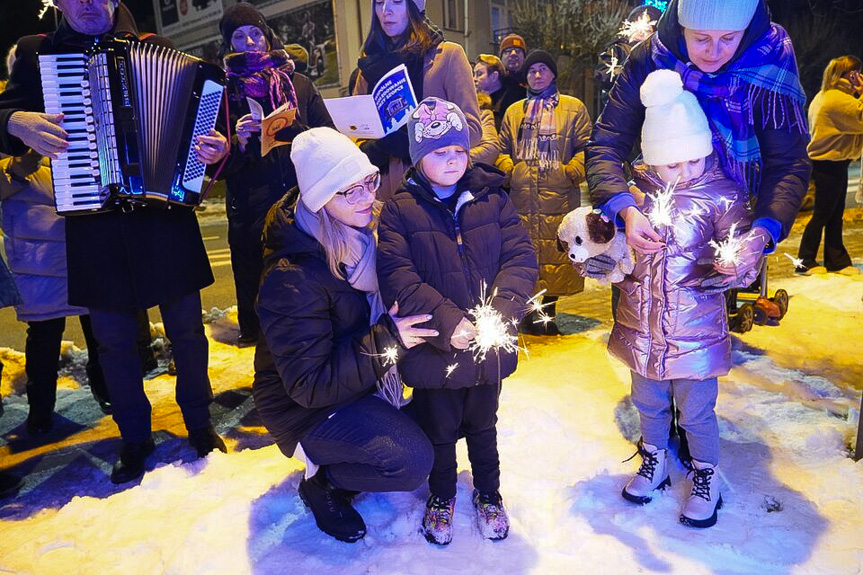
<point>837,68</point>
<point>333,235</point>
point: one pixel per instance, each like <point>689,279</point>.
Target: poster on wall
<point>311,27</point>
<point>177,16</point>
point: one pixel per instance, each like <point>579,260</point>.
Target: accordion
<point>132,111</point>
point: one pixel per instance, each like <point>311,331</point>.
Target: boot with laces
<point>491,517</point>
<point>705,499</point>
<point>652,475</point>
<point>438,520</point>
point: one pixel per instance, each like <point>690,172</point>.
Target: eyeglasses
<point>353,194</point>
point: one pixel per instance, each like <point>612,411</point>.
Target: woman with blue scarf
<point>742,69</point>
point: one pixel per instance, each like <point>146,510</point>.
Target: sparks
<point>390,356</point>
<point>693,213</point>
<point>660,213</point>
<point>46,5</point>
<point>728,250</point>
<point>727,203</point>
<point>450,368</point>
<point>492,330</point>
<point>797,262</point>
<point>613,67</point>
<point>536,306</point>
<point>638,29</point>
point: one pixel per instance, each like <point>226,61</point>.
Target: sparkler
<point>390,356</point>
<point>728,250</point>
<point>46,5</point>
<point>613,68</point>
<point>450,368</point>
<point>638,29</point>
<point>492,330</point>
<point>797,262</point>
<point>660,213</point>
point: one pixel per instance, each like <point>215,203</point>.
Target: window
<point>451,18</point>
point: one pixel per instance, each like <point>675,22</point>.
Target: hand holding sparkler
<point>739,260</point>
<point>409,335</point>
<point>640,234</point>
<point>464,333</point>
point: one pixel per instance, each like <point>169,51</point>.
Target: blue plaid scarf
<point>763,78</point>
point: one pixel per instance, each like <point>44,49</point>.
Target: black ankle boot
<point>132,462</point>
<point>206,440</point>
<point>332,509</point>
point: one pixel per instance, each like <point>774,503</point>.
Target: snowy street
<point>788,418</point>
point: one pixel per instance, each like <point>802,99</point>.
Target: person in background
<point>836,128</point>
<point>258,68</point>
<point>488,76</point>
<point>542,142</point>
<point>400,33</point>
<point>9,482</point>
<point>323,386</point>
<point>488,150</point>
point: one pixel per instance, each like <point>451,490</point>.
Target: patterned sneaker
<point>705,499</point>
<point>651,476</point>
<point>490,515</point>
<point>437,521</point>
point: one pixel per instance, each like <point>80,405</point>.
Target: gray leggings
<point>695,399</point>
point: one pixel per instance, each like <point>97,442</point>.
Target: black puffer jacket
<point>786,166</point>
<point>435,262</point>
<point>318,352</point>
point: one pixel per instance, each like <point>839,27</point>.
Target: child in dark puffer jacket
<point>449,233</point>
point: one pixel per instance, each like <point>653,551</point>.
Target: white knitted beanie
<point>326,162</point>
<point>716,14</point>
<point>675,128</point>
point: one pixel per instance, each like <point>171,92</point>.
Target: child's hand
<point>640,235</point>
<point>464,333</point>
<point>409,334</point>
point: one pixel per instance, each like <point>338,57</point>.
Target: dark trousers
<point>247,263</point>
<point>370,446</point>
<point>447,414</point>
<point>831,186</point>
<point>117,333</point>
<point>42,358</point>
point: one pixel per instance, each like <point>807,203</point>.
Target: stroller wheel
<point>745,318</point>
<point>781,300</point>
<point>759,315</point>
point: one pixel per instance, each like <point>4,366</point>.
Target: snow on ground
<point>788,413</point>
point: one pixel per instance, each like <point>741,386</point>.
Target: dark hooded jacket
<point>785,165</point>
<point>116,260</point>
<point>435,260</point>
<point>318,352</point>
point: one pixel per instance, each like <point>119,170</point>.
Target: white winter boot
<point>652,475</point>
<point>705,499</point>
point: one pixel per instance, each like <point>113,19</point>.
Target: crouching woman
<point>323,379</point>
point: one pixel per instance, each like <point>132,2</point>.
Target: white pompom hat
<point>327,162</point>
<point>675,128</point>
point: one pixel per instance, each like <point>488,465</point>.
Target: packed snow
<point>788,417</point>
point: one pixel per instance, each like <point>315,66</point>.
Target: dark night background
<point>820,29</point>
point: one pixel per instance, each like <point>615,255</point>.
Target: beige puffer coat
<point>543,200</point>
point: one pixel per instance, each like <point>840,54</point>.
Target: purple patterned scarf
<point>263,74</point>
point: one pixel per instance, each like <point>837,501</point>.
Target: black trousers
<point>247,263</point>
<point>447,414</point>
<point>117,332</point>
<point>42,358</point>
<point>831,186</point>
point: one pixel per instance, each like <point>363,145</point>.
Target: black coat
<point>318,352</point>
<point>786,166</point>
<point>255,183</point>
<point>435,262</point>
<point>116,259</point>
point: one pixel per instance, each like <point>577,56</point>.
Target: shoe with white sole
<point>650,477</point>
<point>705,499</point>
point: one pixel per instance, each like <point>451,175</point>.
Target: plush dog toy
<point>585,233</point>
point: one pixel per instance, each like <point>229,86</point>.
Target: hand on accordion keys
<point>211,148</point>
<point>40,132</point>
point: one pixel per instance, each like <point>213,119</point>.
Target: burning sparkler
<point>613,66</point>
<point>797,262</point>
<point>46,5</point>
<point>728,250</point>
<point>638,29</point>
<point>450,368</point>
<point>390,356</point>
<point>660,213</point>
<point>492,330</point>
